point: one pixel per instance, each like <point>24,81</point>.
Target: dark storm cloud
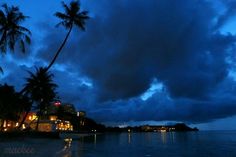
<point>161,108</point>
<point>72,89</point>
<point>129,44</point>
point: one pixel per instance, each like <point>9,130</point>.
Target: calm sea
<point>185,144</point>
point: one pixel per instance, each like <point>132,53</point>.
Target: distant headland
<point>178,127</point>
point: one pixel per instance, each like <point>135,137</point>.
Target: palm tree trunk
<point>1,127</point>
<point>60,48</point>
<point>39,116</point>
<point>23,120</point>
<point>37,125</point>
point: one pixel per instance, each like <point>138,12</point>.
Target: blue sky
<point>155,61</point>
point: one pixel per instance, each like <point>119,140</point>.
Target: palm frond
<point>2,17</point>
<point>6,8</point>
<point>67,9</point>
<point>3,48</point>
<point>1,70</point>
<point>84,14</point>
<point>20,17</point>
<point>22,46</point>
<point>27,39</point>
<point>62,16</point>
<point>23,29</point>
<point>59,24</point>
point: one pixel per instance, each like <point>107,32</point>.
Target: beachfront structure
<point>58,117</point>
<point>52,124</point>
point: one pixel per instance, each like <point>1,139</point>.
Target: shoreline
<point>64,135</point>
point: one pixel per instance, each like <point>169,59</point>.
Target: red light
<point>57,103</point>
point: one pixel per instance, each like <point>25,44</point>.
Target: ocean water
<point>171,144</point>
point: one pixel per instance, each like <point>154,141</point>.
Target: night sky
<point>139,61</point>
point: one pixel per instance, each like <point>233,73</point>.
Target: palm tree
<point>10,29</point>
<point>72,16</point>
<point>41,89</point>
<point>11,32</point>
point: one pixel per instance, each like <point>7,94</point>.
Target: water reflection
<point>95,139</point>
<point>163,137</point>
<point>66,151</point>
<point>172,136</point>
<point>148,137</point>
<point>68,142</point>
<point>129,138</point>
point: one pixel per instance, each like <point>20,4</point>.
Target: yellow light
<point>17,124</point>
<point>30,118</point>
<point>34,117</point>
<point>68,139</point>
<point>23,126</point>
<point>8,124</point>
<point>5,129</point>
<point>53,118</point>
<point>4,124</point>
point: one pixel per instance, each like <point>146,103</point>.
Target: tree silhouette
<point>12,104</point>
<point>10,29</point>
<point>11,32</point>
<point>72,16</point>
<point>40,89</point>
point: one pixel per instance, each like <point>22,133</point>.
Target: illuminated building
<point>49,122</point>
<point>81,114</point>
<point>9,125</point>
<point>64,126</point>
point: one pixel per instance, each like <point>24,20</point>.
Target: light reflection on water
<point>66,151</point>
<point>129,138</point>
<point>170,144</point>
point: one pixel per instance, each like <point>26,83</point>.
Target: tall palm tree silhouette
<point>11,32</point>
<point>41,89</point>
<point>72,16</point>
